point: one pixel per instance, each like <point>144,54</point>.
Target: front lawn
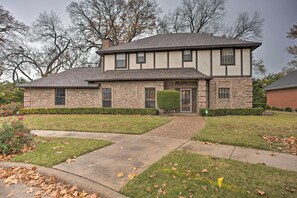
<point>183,174</point>
<point>248,131</point>
<point>52,151</point>
<point>127,124</point>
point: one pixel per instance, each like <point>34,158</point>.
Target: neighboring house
<point>283,92</point>
<point>209,72</point>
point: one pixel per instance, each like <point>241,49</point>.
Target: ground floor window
<point>60,96</point>
<point>224,93</point>
<point>150,98</point>
<point>106,97</point>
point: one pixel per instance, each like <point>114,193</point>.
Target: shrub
<point>9,109</point>
<point>90,111</point>
<point>10,93</point>
<point>225,112</point>
<point>168,100</point>
<point>277,109</point>
<point>14,135</point>
<point>268,107</point>
<point>288,109</point>
<point>296,110</point>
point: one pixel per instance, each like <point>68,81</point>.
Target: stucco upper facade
<point>206,61</point>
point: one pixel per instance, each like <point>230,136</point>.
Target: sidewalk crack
<point>232,152</point>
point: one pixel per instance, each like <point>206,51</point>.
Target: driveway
<point>130,154</point>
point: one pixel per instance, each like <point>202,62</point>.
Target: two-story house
<point>208,71</point>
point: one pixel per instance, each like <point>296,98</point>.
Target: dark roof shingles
<point>150,74</point>
<point>73,78</point>
<point>288,81</point>
<point>179,41</point>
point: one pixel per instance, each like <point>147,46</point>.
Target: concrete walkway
<point>269,158</point>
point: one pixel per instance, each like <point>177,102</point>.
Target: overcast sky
<point>279,16</point>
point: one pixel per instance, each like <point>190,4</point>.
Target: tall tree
<point>292,65</point>
<point>246,27</point>
<point>118,20</point>
<point>259,67</point>
<point>46,50</point>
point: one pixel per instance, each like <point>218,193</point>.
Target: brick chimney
<point>106,43</point>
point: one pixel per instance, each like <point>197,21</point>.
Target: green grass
<point>179,174</point>
<point>52,151</point>
<point>247,131</point>
<point>127,124</point>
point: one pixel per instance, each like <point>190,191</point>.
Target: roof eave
<point>254,46</point>
<point>149,79</point>
<point>278,88</point>
<point>68,87</point>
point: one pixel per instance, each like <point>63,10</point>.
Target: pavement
<point>132,154</point>
<point>274,159</point>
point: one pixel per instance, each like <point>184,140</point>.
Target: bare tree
<point>8,25</point>
<point>46,50</point>
<point>247,27</point>
<point>118,20</point>
<point>292,65</point>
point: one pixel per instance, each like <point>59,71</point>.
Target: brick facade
<point>241,92</point>
<point>131,94</point>
<point>282,98</point>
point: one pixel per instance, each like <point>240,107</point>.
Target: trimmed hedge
<point>225,112</point>
<point>90,111</point>
<point>168,100</point>
<point>288,109</point>
<point>277,109</point>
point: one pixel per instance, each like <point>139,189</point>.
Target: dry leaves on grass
<point>260,192</point>
<point>289,143</point>
<point>25,149</point>
<point>49,186</point>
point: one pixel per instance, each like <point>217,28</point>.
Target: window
<point>106,97</point>
<point>187,55</point>
<point>60,96</point>
<point>120,60</point>
<point>150,98</point>
<point>140,57</point>
<point>224,93</point>
<point>228,56</point>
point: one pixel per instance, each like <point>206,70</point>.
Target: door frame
<point>191,101</point>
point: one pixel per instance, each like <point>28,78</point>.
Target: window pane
<point>140,57</point>
<point>187,55</point>
<point>120,60</point>
<point>228,57</point>
<point>224,93</point>
<point>106,97</point>
<point>60,96</point>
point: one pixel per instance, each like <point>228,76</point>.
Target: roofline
<point>78,87</point>
<point>147,79</point>
<point>278,88</point>
<point>253,45</point>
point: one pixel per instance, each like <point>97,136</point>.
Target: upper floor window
<point>150,98</point>
<point>224,93</point>
<point>120,60</point>
<point>187,55</point>
<point>140,57</point>
<point>106,97</point>
<point>60,96</point>
<point>228,56</point>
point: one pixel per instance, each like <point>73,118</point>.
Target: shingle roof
<point>73,78</point>
<point>288,81</point>
<point>179,41</point>
<point>150,74</point>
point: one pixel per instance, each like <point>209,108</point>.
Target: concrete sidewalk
<point>269,158</point>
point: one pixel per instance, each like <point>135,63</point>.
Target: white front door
<point>186,100</point>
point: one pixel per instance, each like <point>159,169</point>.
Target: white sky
<point>279,16</point>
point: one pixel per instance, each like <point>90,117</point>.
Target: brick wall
<point>282,98</point>
<point>130,94</point>
<point>45,98</point>
<point>241,92</point>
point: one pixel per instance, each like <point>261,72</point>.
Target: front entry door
<point>186,100</point>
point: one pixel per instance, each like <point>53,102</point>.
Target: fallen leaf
<point>68,161</point>
<point>272,154</point>
<point>134,168</point>
<point>9,195</point>
<point>292,190</point>
<point>204,171</point>
<point>29,190</point>
<point>205,188</point>
<point>132,175</point>
<point>120,174</point>
<point>259,192</point>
